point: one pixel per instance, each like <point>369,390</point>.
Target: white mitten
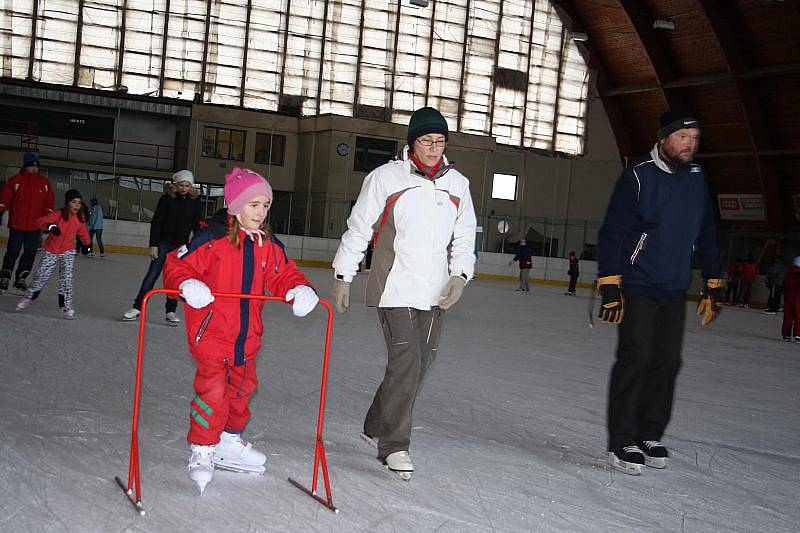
<point>196,293</point>
<point>305,299</point>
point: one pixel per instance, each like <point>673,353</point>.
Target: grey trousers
<point>412,337</point>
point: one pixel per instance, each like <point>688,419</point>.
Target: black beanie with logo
<point>672,121</point>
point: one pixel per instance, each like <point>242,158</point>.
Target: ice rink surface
<point>509,432</point>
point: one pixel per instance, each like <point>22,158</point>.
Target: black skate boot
<point>628,459</point>
<point>5,277</point>
<point>655,454</point>
<point>21,283</point>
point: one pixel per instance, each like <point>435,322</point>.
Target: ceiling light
<point>663,24</point>
<point>579,36</point>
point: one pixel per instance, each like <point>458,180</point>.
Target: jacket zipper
<point>639,247</point>
<point>203,326</point>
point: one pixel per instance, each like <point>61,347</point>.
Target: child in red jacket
<point>235,253</point>
<point>59,249</point>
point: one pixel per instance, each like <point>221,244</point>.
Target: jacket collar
<point>405,156</point>
<point>659,160</point>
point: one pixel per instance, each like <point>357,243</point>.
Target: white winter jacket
<point>424,233</point>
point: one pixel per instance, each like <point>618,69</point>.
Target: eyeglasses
<point>430,142</point>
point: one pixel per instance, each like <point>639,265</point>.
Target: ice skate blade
<point>655,462</point>
<point>369,440</point>
<point>241,469</point>
<point>402,474</point>
<point>632,469</point>
<point>201,486</point>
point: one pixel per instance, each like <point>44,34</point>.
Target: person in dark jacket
<point>573,273</point>
<point>524,255</point>
<point>27,196</point>
<point>776,274</point>
<point>177,216</point>
<point>659,219</point>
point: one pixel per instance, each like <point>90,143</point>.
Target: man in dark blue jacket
<point>659,219</point>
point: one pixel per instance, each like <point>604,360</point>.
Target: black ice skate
<point>5,278</point>
<point>628,459</point>
<point>20,283</point>
<point>655,454</point>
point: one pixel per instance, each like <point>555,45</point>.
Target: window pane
<point>262,148</point>
<point>237,145</point>
<point>223,144</point>
<point>278,149</point>
<point>504,187</point>
<point>209,142</point>
<point>372,153</point>
<point>151,192</point>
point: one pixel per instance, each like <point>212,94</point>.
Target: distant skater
<point>63,227</point>
<point>95,226</point>
<point>177,216</point>
<point>524,256</point>
<point>574,272</point>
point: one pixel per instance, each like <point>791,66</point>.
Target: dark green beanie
<point>426,120</point>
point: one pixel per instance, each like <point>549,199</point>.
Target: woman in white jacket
<point>420,211</point>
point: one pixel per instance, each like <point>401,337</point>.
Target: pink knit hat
<point>241,186</point>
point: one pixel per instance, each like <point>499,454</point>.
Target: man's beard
<point>675,160</point>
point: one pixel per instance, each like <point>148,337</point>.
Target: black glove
<point>613,306</point>
<point>86,249</point>
<point>711,294</point>
<point>53,229</point>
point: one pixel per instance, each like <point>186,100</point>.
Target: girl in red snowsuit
<point>235,253</point>
<point>791,305</point>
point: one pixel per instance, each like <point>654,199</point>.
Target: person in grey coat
<point>776,274</point>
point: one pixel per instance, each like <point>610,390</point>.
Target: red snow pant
<point>791,318</point>
<point>222,394</point>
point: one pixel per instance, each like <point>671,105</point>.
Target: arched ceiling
<point>734,63</point>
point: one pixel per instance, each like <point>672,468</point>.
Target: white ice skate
<point>234,453</point>
<point>400,464</point>
<point>201,465</point>
<point>131,314</point>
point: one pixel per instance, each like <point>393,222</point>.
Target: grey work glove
<point>341,295</point>
<point>452,292</point>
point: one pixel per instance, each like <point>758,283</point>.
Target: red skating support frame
<point>134,475</point>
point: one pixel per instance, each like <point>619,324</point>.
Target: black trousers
<point>774,302</point>
<point>99,234</point>
<point>573,282</point>
<point>412,338</point>
<point>28,242</point>
<point>643,377</point>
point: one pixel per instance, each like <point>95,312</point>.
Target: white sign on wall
<point>741,206</point>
